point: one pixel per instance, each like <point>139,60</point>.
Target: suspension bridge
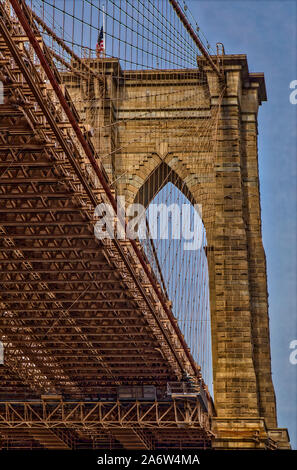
<point>118,342</point>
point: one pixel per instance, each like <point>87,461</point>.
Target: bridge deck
<point>141,425</point>
<point>78,315</point>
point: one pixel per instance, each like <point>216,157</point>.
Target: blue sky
<point>265,30</point>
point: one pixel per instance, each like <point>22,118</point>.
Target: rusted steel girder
<point>58,413</point>
<point>103,181</point>
<point>39,98</point>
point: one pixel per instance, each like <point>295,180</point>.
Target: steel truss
<point>171,414</point>
<point>76,313</point>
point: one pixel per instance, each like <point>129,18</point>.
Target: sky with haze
<point>265,30</point>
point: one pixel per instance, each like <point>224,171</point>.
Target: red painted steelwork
<point>26,26</point>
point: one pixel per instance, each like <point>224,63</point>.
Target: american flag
<point>100,43</point>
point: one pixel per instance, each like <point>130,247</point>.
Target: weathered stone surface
<point>161,135</point>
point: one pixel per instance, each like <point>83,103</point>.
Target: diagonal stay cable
<point>99,172</point>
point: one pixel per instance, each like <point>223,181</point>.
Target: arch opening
<point>179,262</point>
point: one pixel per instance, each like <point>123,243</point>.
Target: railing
<point>186,390</point>
<point>76,415</point>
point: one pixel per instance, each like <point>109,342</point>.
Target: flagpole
<point>104,29</point>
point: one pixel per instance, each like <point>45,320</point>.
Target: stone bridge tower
<point>226,184</point>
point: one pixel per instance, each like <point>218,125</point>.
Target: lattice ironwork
<point>76,313</point>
